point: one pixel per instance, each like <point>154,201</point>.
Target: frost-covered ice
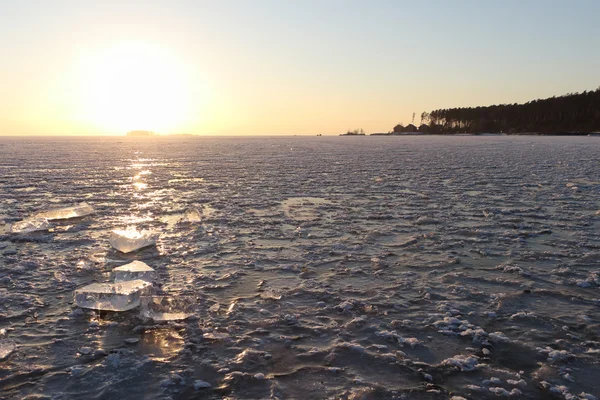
<point>30,225</point>
<point>464,363</point>
<point>134,270</point>
<point>78,211</point>
<point>129,240</point>
<point>167,308</point>
<point>331,267</point>
<point>121,296</point>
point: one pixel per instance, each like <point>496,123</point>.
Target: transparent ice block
<point>129,240</point>
<point>132,271</point>
<point>167,308</point>
<point>121,296</point>
<point>191,215</point>
<point>80,210</point>
<point>30,225</point>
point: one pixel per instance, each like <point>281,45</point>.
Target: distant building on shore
<point>410,128</point>
<point>424,128</point>
<point>402,130</point>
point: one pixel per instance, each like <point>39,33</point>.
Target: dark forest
<point>571,113</point>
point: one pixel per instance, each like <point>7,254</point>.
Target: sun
<point>134,86</point>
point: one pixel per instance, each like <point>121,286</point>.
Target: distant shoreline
<point>230,136</point>
<point>488,134</point>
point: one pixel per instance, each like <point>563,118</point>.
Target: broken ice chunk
<point>191,215</point>
<point>30,225</point>
<point>132,271</point>
<point>130,240</point>
<point>167,308</point>
<point>6,348</point>
<point>121,296</point>
<point>215,335</point>
<point>270,295</point>
<point>77,211</point>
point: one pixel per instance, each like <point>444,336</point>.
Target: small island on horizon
<point>355,132</point>
<point>141,133</point>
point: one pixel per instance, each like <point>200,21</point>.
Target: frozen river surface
<point>322,267</point>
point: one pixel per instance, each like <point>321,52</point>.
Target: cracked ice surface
<point>329,267</point>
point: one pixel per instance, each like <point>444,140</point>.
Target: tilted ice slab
<point>77,211</point>
<point>167,308</point>
<point>132,271</point>
<point>130,240</point>
<point>121,296</point>
<point>30,225</point>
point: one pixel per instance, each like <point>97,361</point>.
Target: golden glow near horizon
<point>131,86</point>
<point>267,67</point>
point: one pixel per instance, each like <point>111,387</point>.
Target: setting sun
<point>134,86</point>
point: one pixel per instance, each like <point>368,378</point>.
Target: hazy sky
<point>287,67</point>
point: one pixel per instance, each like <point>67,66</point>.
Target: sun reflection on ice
<point>141,174</point>
<point>139,185</point>
<point>137,181</point>
<point>136,219</point>
<point>161,344</point>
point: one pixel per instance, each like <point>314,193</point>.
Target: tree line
<point>571,113</point>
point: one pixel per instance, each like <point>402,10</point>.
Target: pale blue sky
<point>266,67</point>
